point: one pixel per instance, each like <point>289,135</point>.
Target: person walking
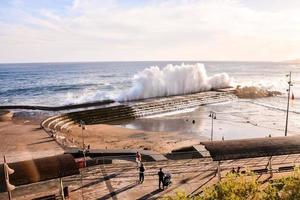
<point>142,171</point>
<point>161,175</point>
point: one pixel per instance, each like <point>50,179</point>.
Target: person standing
<point>160,178</point>
<point>138,158</point>
<point>233,171</point>
<point>238,170</point>
<point>142,171</point>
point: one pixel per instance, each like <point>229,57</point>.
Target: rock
<point>5,115</point>
<point>254,92</point>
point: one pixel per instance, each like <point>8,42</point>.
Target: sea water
<point>71,83</point>
<point>56,84</point>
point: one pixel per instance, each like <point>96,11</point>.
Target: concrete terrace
<point>119,179</point>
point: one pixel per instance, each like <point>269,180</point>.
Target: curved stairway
<point>64,122</point>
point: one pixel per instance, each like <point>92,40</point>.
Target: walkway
<point>119,180</point>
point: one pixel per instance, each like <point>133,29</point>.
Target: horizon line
<point>107,61</point>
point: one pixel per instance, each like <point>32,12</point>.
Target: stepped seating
<point>133,110</point>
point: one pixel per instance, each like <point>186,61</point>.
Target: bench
<point>286,168</point>
<point>260,171</point>
<point>47,197</point>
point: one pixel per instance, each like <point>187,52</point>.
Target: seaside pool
<point>235,120</point>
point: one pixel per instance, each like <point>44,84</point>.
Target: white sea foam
<point>170,80</point>
<point>87,96</point>
<point>173,80</point>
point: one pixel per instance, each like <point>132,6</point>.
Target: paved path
<point>120,180</point>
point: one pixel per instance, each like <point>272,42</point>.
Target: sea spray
<point>173,80</point>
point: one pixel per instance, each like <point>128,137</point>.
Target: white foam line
<point>270,106</point>
<point>172,113</point>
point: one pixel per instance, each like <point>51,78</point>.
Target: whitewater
<point>173,80</point>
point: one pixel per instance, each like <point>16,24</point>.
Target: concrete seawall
<point>57,108</point>
<point>132,110</point>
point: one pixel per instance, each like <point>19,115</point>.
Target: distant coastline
<point>294,61</point>
<point>137,61</point>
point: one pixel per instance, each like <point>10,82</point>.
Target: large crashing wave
<point>173,80</point>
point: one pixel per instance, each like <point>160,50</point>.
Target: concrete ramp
<point>195,151</point>
<point>118,154</point>
<point>202,150</point>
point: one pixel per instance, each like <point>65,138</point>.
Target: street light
<point>82,125</point>
<point>8,171</point>
<point>288,102</point>
<point>213,116</point>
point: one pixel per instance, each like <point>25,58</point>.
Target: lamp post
<point>213,116</point>
<point>82,125</point>
<point>8,171</point>
<point>288,102</point>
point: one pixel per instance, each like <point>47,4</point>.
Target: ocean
<point>54,84</point>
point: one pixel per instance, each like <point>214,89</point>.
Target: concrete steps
<point>136,109</point>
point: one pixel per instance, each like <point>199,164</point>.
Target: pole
<point>219,171</point>
<point>213,116</point>
<point>82,196</point>
<point>83,151</point>
<point>212,129</point>
<point>82,135</point>
<point>6,178</point>
<point>288,104</point>
<point>84,160</point>
<point>83,145</point>
<point>61,188</point>
<point>270,166</point>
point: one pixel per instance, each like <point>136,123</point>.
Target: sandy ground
<point>113,137</point>
<point>23,141</point>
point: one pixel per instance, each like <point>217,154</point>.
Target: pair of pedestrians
<point>160,174</point>
<point>141,169</point>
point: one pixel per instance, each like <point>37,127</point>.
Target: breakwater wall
<point>57,108</point>
<point>132,110</point>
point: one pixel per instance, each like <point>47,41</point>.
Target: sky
<point>137,30</point>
